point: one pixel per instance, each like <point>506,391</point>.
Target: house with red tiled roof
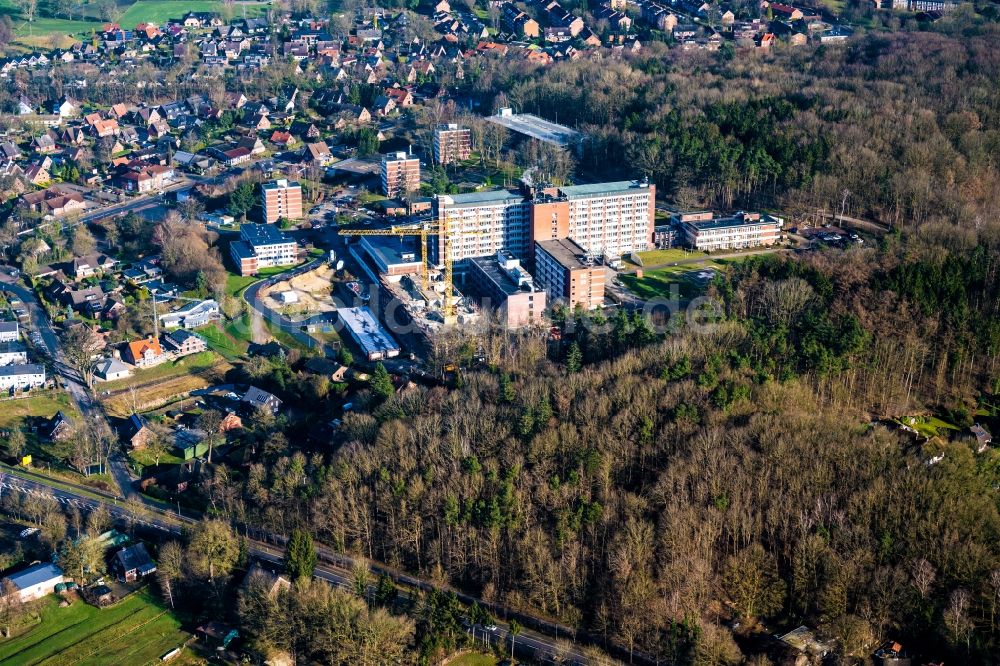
<point>144,353</point>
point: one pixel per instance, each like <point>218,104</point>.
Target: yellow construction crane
<point>422,230</point>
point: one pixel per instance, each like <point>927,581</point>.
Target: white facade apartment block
<point>611,219</point>
<point>270,245</point>
<point>483,223</point>
<point>9,331</point>
<point>21,376</point>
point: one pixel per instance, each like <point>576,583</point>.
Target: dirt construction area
<point>304,295</point>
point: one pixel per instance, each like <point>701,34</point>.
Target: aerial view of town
<point>496,332</point>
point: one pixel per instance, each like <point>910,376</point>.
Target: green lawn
<point>657,257</point>
<point>187,365</point>
<point>159,11</point>
<point>219,340</point>
<point>283,337</point>
<point>657,283</point>
<point>137,630</point>
<point>474,659</point>
<point>237,283</point>
<point>40,403</point>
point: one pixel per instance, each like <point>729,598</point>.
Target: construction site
<point>303,296</point>
<point>397,259</point>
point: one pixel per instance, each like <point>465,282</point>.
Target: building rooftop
<point>280,184</point>
<point>393,251</point>
<point>19,369</point>
<point>731,221</point>
<point>367,331</point>
<point>263,234</point>
<point>566,252</point>
<point>597,189</point>
<point>536,128</point>
<point>241,250</point>
<point>479,198</point>
<point>509,277</point>
<point>34,575</point>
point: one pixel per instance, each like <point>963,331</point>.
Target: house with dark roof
<point>183,342</point>
<point>132,563</point>
<point>136,431</point>
<point>256,398</point>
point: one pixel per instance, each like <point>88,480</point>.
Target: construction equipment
<point>423,230</point>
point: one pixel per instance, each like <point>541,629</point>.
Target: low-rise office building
<point>262,246</point>
<point>708,232</point>
<point>569,274</point>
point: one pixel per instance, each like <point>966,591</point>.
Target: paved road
<point>335,569</point>
<point>252,296</point>
<point>73,382</point>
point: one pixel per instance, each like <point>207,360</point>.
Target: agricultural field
<point>138,630</point>
<point>160,11</point>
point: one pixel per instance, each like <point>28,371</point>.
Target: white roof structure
<point>373,339</point>
<point>537,128</point>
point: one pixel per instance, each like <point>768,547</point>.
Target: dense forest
<point>650,490</point>
<point>685,494</point>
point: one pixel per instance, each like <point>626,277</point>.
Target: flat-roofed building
<point>393,256</point>
<point>708,232</point>
<point>481,224</point>
<point>400,174</point>
<point>510,290</point>
<point>281,198</point>
<point>605,219</point>
<point>568,273</point>
<point>375,342</point>
<point>262,246</point>
<point>452,143</point>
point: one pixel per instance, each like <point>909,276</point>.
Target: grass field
<point>160,11</point>
<point>222,342</point>
<point>237,283</point>
<point>474,659</point>
<point>138,630</point>
<point>159,385</point>
<point>657,257</point>
<point>690,280</point>
<point>46,404</point>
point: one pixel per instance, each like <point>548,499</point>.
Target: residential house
<point>132,563</point>
<point>21,376</point>
<point>137,432</point>
<point>191,315</point>
<point>111,369</point>
<point>144,353</point>
<point>256,398</point>
<point>317,153</point>
<point>57,429</point>
<point>183,342</point>
<point>13,353</point>
<point>94,264</point>
<point>9,331</point>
